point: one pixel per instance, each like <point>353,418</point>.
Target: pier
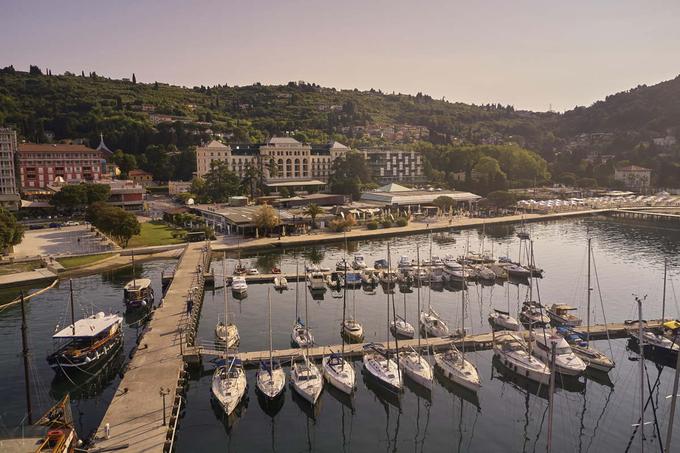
<point>152,387</point>
<point>477,342</point>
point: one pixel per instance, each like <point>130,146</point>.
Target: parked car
<point>36,227</point>
<point>72,223</point>
<point>55,225</point>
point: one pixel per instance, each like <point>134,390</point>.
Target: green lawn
<point>155,233</point>
<point>13,268</point>
<point>75,261</point>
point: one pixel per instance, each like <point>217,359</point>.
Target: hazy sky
<point>531,54</point>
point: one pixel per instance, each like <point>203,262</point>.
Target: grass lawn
<point>154,233</point>
<point>13,268</point>
<point>75,261</point>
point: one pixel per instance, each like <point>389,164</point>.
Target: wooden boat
<point>275,270</point>
<point>229,384</point>
<point>560,314</point>
<point>138,293</point>
<point>369,277</point>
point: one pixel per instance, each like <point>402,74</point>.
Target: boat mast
<point>418,289</point>
<point>344,304</point>
<point>588,293</point>
<point>663,299</point>
<point>24,347</point>
<point>226,303</point>
<point>134,282</point>
<point>306,320</point>
<point>551,400</point>
<point>73,315</point>
<point>642,376</point>
<point>674,400</point>
<point>271,355</point>
<point>462,319</point>
<point>389,283</point>
<point>297,284</point>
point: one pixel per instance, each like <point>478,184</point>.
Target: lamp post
<point>163,392</point>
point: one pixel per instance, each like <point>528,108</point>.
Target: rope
<point>604,315</point>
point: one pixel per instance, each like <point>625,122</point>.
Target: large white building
<point>283,160</point>
<point>394,165</point>
<point>9,197</point>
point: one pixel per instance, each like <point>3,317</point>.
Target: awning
<point>308,182</point>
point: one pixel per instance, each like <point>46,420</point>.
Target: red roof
<point>52,148</point>
<point>139,173</point>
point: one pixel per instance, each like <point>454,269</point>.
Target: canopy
<point>90,326</point>
<point>672,325</point>
<point>138,283</point>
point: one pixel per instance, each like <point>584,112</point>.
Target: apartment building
<point>393,165</point>
<point>9,197</point>
<point>41,164</point>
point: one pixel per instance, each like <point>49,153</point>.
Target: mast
<point>663,299</point>
<point>588,298</point>
<point>418,288</point>
<point>344,304</point>
<point>134,282</point>
<point>226,308</point>
<point>306,320</point>
<point>24,347</point>
<point>73,315</point>
<point>551,395</point>
<point>297,284</point>
<point>674,400</point>
<point>462,319</point>
<point>271,355</point>
<point>642,376</point>
<point>394,318</point>
<point>389,283</point>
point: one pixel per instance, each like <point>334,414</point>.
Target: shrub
<point>372,225</point>
<point>386,223</point>
<point>401,222</point>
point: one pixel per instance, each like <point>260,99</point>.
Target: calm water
<point>591,414</point>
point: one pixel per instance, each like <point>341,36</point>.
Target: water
<point>89,397</point>
<point>591,414</point>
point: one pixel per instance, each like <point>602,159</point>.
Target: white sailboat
<point>239,285</point>
<point>432,324</point>
<point>338,371</point>
<point>229,384</point>
<point>566,362</point>
<point>351,329</point>
<point>400,326</point>
<point>226,331</point>
<point>453,363</point>
<point>306,379</point>
<point>412,362</point>
<point>270,377</point>
<point>301,335</point>
<point>503,319</point>
<point>513,352</point>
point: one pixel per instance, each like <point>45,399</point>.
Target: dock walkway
<point>135,415</point>
<point>478,342</point>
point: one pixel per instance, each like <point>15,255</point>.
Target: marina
<point>183,364</point>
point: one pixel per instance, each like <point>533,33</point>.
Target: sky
<point>534,55</point>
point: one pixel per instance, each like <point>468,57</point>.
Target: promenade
<point>135,415</point>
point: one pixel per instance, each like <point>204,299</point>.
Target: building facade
<point>141,177</point>
<point>9,197</point>
<point>41,164</point>
<point>634,177</point>
<point>281,159</point>
<point>393,165</point>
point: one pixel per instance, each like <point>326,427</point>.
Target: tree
<point>444,203</point>
<point>76,197</point>
<point>116,222</point>
<point>220,183</point>
<point>501,198</point>
<point>34,70</point>
<point>134,79</point>
<point>313,210</point>
<point>125,162</point>
<point>266,218</point>
<point>349,173</point>
<point>11,232</point>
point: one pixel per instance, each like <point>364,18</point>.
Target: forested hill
<point>637,126</point>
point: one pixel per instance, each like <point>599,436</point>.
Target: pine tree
<point>134,79</point>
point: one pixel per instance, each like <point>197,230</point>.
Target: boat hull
<point>342,378</point>
<point>62,364</point>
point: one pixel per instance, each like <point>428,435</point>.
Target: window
<point>297,168</point>
<point>289,168</point>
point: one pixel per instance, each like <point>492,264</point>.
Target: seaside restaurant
<point>401,200</point>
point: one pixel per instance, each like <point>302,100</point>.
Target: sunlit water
<point>591,414</point>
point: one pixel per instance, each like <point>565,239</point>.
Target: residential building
<point>9,197</point>
<point>394,165</point>
<point>634,177</point>
<point>141,177</point>
<point>284,161</point>
<point>41,164</point>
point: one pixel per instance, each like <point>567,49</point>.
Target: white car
<point>72,223</point>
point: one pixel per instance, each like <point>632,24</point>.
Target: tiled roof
<point>57,147</point>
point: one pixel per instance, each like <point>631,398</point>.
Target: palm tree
<point>313,210</point>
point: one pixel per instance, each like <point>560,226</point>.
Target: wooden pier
<point>478,342</point>
<point>145,409</point>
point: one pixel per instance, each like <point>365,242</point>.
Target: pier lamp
<point>163,392</point>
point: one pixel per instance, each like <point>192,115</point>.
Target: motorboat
<point>436,261</point>
<point>316,281</point>
<point>454,272</point>
<point>457,368</point>
<point>379,366</point>
<point>275,270</point>
<point>560,314</point>
<point>502,320</point>
<point>138,293</point>
<point>404,262</point>
<point>592,357</point>
<point>352,331</point>
<point>388,277</point>
<point>380,264</point>
<point>252,271</point>
<point>513,353</point>
<point>402,328</point>
<point>87,343</point>
<point>343,265</point>
<point>335,280</point>
<point>238,284</point>
<point>359,262</point>
<point>421,275</point>
<point>369,276</point>
<point>655,342</point>
<point>566,362</point>
<point>301,336</point>
<point>533,314</point>
<point>432,324</point>
<point>280,283</point>
<point>353,279</point>
<point>227,334</point>
<point>306,379</point>
<point>436,274</point>
<point>229,384</point>
<point>270,380</point>
<point>338,372</point>
<point>312,268</point>
<point>485,274</point>
<point>324,268</point>
<point>517,271</point>
<point>448,259</point>
<point>416,367</point>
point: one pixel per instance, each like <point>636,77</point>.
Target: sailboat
<point>336,369</point>
<point>350,328</point>
<point>412,362</point>
<point>229,384</point>
<point>502,319</point>
<point>304,374</point>
<point>301,335</point>
<point>270,377</point>
<point>377,361</point>
<point>226,331</point>
<point>400,327</point>
<point>87,343</point>
<point>430,321</point>
<point>453,363</point>
<point>513,352</point>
